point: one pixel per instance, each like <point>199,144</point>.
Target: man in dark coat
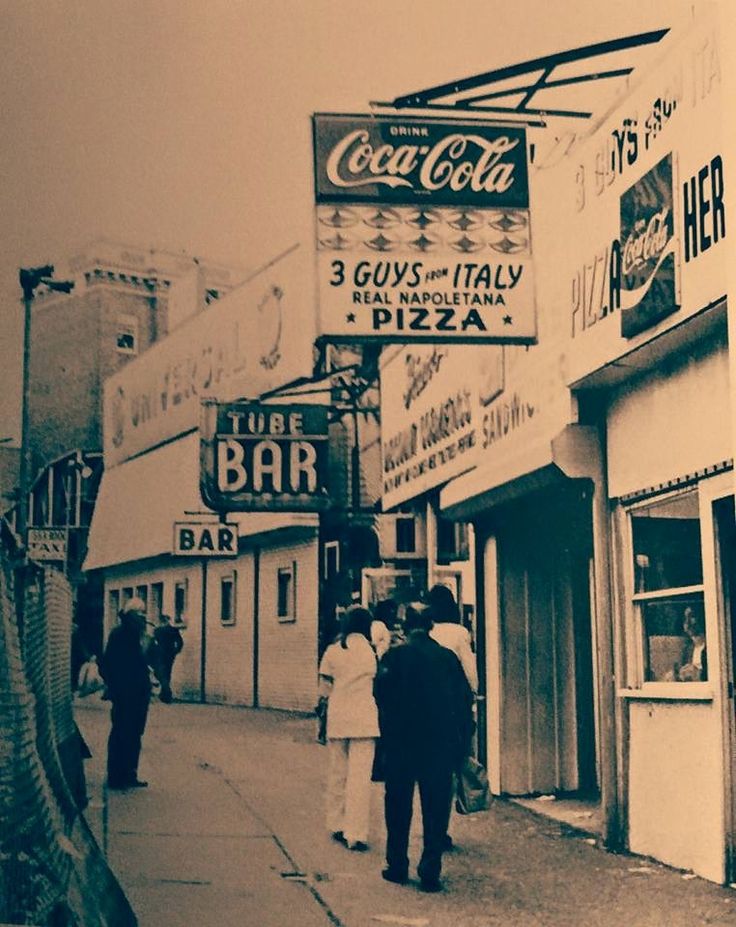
<point>425,715</point>
<point>125,670</point>
<point>166,645</point>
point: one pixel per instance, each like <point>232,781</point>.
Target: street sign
<point>47,544</point>
<point>205,539</point>
<point>258,457</point>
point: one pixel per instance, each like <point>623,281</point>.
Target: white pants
<point>349,787</point>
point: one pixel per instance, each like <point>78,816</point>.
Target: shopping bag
<point>89,680</point>
<point>473,793</point>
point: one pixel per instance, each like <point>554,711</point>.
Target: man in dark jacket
<point>125,671</point>
<point>166,645</point>
<point>425,715</point>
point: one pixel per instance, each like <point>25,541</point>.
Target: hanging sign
<point>422,229</point>
<point>47,544</point>
<point>257,457</point>
<point>205,539</point>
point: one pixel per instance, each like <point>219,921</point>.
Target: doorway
<point>547,722</point>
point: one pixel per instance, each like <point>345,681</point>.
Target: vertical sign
<point>422,231</point>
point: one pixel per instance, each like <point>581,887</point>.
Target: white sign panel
<point>430,414</point>
<point>47,544</point>
<point>205,539</point>
<point>649,185</point>
<point>258,336</point>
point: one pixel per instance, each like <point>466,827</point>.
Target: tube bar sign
<point>258,457</point>
<point>422,231</point>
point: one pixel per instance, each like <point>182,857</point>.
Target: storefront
<point>247,609</point>
<point>606,531</point>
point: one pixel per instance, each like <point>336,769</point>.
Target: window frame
<point>179,619</point>
<point>232,579</point>
<point>290,615</point>
<point>127,324</point>
<point>635,636</point>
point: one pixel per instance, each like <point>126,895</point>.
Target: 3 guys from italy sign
<point>422,229</point>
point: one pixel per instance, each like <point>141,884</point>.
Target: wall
<point>288,651</point>
<point>670,423</point>
<point>676,746</point>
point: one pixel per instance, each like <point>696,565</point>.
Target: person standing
<point>347,671</point>
<point>166,645</point>
<point>425,716</point>
<point>125,670</point>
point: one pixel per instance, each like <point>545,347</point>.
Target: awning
<point>573,452</point>
<point>140,500</point>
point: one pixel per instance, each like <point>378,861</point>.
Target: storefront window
<point>668,591</point>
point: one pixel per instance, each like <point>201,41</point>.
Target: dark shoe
<point>430,885</point>
<point>358,846</point>
<point>340,837</point>
<point>116,786</point>
<point>447,844</point>
<point>391,875</point>
<point>137,784</point>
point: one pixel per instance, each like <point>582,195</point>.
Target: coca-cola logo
<point>457,161</point>
<point>646,241</point>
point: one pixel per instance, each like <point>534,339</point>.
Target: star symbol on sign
<point>507,320</point>
<point>350,317</point>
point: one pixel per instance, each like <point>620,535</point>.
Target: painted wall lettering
<point>703,209</point>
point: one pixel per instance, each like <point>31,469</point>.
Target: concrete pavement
<point>231,832</point>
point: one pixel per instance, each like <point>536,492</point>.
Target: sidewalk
<point>231,832</point>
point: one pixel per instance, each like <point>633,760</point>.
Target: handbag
<point>89,680</point>
<point>473,793</point>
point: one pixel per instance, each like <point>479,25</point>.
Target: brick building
<point>124,299</point>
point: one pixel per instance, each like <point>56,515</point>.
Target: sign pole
<point>203,638</point>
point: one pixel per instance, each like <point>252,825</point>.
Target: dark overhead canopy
<point>547,82</point>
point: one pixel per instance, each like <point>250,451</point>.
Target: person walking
<point>166,645</point>
<point>425,716</point>
<point>347,671</point>
<point>124,669</point>
<point>448,630</point>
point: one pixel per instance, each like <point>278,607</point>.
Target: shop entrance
<point>725,522</point>
<point>547,711</point>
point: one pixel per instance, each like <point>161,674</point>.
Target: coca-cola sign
<point>408,161</point>
<point>643,260</point>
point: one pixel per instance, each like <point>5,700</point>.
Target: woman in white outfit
<point>347,671</point>
<point>449,632</point>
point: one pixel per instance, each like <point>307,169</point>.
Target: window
<point>331,561</point>
<point>181,589</point>
<point>286,593</point>
<point>113,606</point>
<point>228,599</point>
<point>126,334</point>
<point>406,541</point>
<point>127,594</point>
<point>157,601</point>
<point>142,593</point>
<point>668,589</point>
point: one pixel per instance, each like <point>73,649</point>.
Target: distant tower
<point>124,299</point>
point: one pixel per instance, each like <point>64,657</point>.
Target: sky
<point>185,124</point>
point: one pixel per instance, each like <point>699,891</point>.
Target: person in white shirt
<point>347,671</point>
<point>449,632</point>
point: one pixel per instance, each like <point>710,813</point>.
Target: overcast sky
<point>184,124</point>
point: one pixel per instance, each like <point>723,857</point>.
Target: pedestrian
<point>125,670</point>
<point>384,618</point>
<point>447,629</point>
<point>347,672</point>
<point>425,715</point>
<point>166,645</point>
